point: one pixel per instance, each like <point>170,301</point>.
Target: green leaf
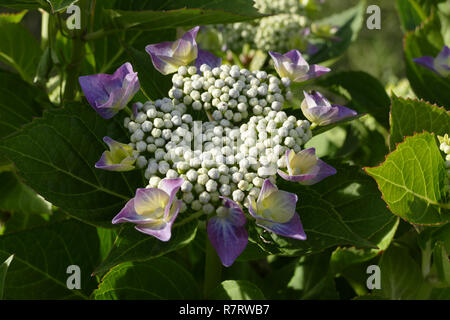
<point>412,179</point>
<point>56,155</point>
<point>401,277</point>
<point>159,279</point>
<point>17,109</point>
<point>20,4</point>
<point>413,116</point>
<point>152,82</point>
<point>426,41</point>
<point>157,15</point>
<point>410,13</point>
<point>41,258</point>
<point>17,197</point>
<point>132,245</point>
<point>3,270</point>
<point>344,209</point>
<point>237,290</point>
<point>15,17</point>
<point>441,262</point>
<point>364,92</point>
<point>19,49</point>
<point>349,22</point>
<point>60,5</point>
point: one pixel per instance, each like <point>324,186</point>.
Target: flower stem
<point>213,270</point>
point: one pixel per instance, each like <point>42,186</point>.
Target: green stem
<point>44,28</point>
<point>77,56</point>
<point>213,270</point>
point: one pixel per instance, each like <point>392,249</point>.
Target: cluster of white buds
<point>229,92</point>
<point>280,32</point>
<point>278,6</point>
<point>445,147</point>
<point>236,35</point>
<point>215,158</point>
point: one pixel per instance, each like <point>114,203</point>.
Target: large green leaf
<point>3,270</point>
<point>132,245</point>
<point>426,41</point>
<point>15,17</point>
<point>19,49</point>
<point>413,116</point>
<point>411,14</point>
<point>401,277</point>
<point>56,155</point>
<point>50,5</point>
<point>17,197</point>
<point>365,93</point>
<point>349,22</point>
<point>412,180</point>
<point>157,15</point>
<point>41,258</point>
<point>159,279</point>
<point>17,109</point>
<point>20,4</point>
<point>344,209</point>
<point>237,290</point>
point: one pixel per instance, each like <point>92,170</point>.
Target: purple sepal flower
<point>168,56</point>
<point>317,109</point>
<point>120,157</point>
<point>227,233</point>
<point>153,210</point>
<point>206,57</point>
<point>305,168</point>
<point>275,211</point>
<point>440,64</point>
<point>292,65</point>
<point>108,94</point>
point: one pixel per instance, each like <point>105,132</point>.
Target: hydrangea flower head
<point>274,210</point>
<point>108,94</point>
<point>293,66</point>
<point>317,109</point>
<point>153,210</point>
<point>120,157</point>
<point>305,167</point>
<point>440,64</point>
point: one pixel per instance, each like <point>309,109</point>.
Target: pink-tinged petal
<point>228,240</point>
<point>343,112</point>
<point>235,214</point>
<point>108,94</point>
<point>279,206</point>
<point>120,157</point>
<point>291,229</point>
<point>168,56</point>
<point>206,57</point>
<point>427,62</point>
<point>151,202</point>
<point>161,230</point>
<point>316,71</point>
<point>324,170</point>
<point>296,57</point>
<point>295,178</point>
<point>104,164</point>
<point>171,187</point>
<point>266,189</point>
<point>317,109</point>
<point>227,233</point>
<point>128,214</point>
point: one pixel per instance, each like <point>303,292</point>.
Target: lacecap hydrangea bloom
<point>223,162</point>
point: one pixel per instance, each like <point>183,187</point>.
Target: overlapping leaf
<point>412,180</point>
<point>56,156</point>
<point>159,279</point>
<point>413,116</point>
